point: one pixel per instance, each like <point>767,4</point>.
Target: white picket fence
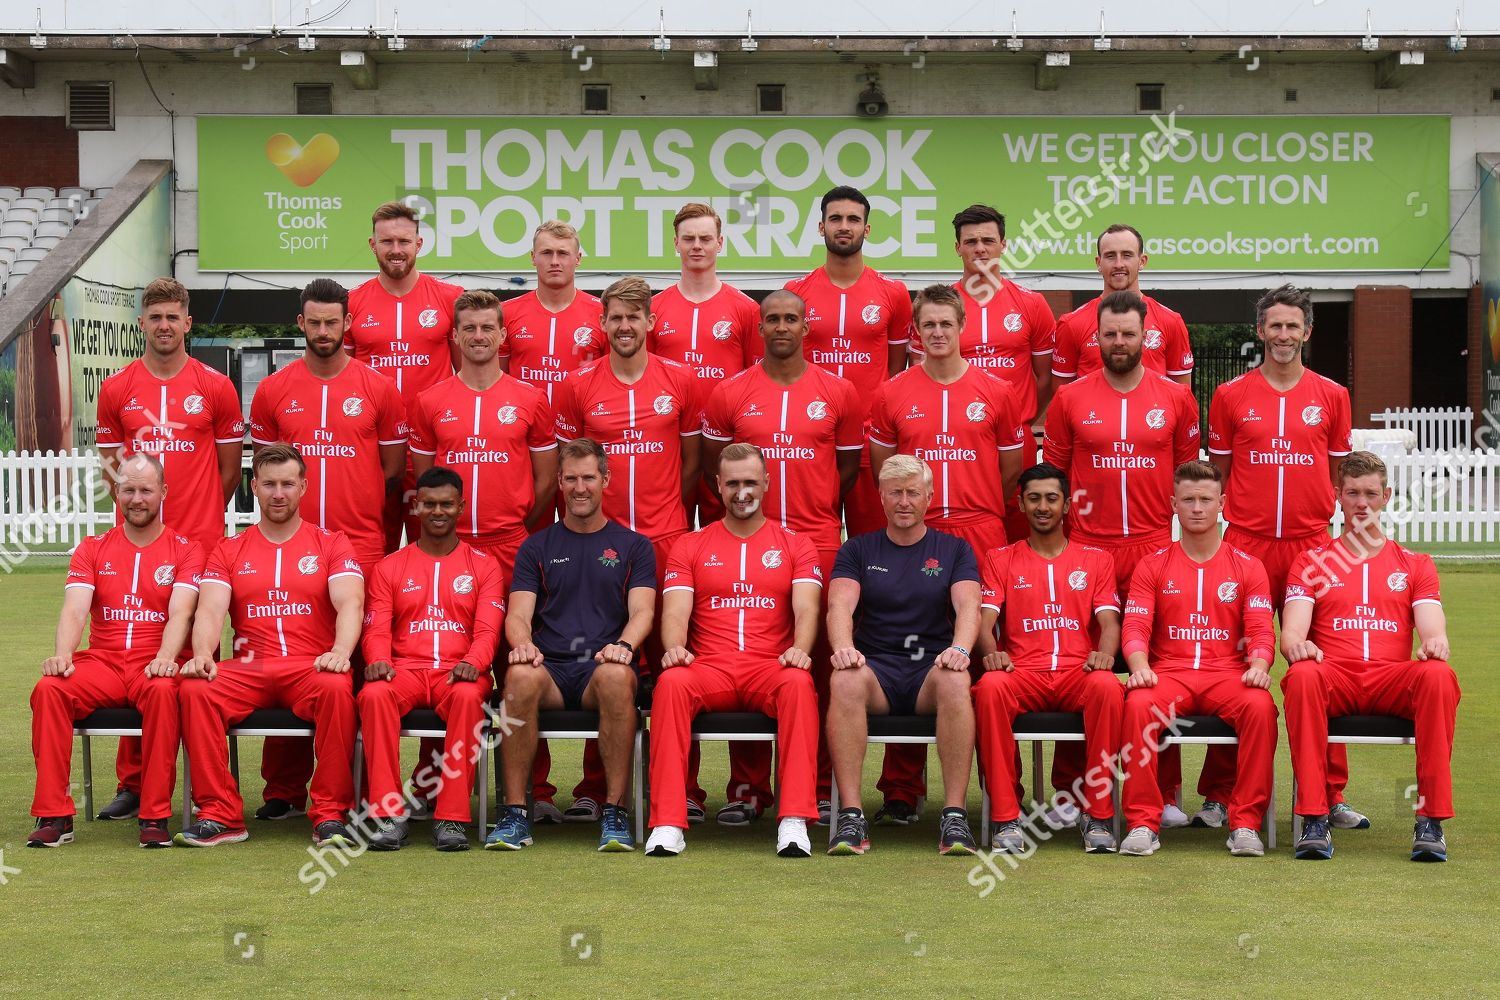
<point>50,501</point>
<point>1438,429</point>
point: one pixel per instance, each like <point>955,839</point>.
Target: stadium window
<point>313,98</point>
<point>1148,97</point>
<point>596,98</point>
<point>1291,96</point>
<point>770,99</point>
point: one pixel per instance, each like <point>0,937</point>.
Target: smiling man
<point>554,328</point>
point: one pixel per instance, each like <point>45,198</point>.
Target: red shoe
<point>51,831</point>
<point>154,833</point>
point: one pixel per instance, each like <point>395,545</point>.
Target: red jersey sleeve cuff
<point>1261,653</point>
<point>1134,646</point>
<point>422,451</point>
<point>1063,374</point>
<point>881,442</point>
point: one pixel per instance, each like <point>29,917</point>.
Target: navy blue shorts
<point>901,679</point>
<point>571,676</point>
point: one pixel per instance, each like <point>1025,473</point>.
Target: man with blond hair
<point>172,406</point>
<point>554,328</point>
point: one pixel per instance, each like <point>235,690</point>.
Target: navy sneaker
<point>852,835</point>
<point>614,829</point>
<point>1316,842</point>
<point>332,832</point>
<point>897,813</point>
<point>512,833</point>
<point>279,809</point>
<point>954,835</point>
<point>1427,843</point>
<point>124,805</point>
<point>208,833</point>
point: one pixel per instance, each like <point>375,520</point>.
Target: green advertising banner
<point>1211,194</point>
<point>1489,279</point>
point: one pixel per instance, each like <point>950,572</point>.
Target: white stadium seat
<point>102,192</point>
<point>7,254</point>
<point>15,214</point>
<point>43,193</point>
<point>69,193</point>
<point>10,193</point>
<point>45,242</point>
<point>14,243</point>
<point>35,204</point>
<point>54,229</point>
<point>32,254</point>
<point>57,215</point>
<point>89,206</point>
<point>22,267</point>
<point>22,229</point>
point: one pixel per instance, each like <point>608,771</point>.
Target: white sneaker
<point>1140,842</point>
<point>791,838</point>
<point>666,842</point>
<point>1062,815</point>
<point>1172,817</point>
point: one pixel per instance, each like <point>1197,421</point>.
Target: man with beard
<point>295,595</point>
<point>399,325</point>
<point>858,328</point>
<point>135,586</point>
<point>170,405</point>
<point>1121,253</point>
<point>348,423</point>
<point>739,617</point>
<point>809,427</point>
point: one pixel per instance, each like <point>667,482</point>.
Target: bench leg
<point>482,785</point>
<point>1296,818</point>
<point>984,816</point>
<point>234,758</point>
<point>88,778</point>
<point>357,769</point>
<point>1271,814</point>
<point>1115,794</point>
<point>833,807</point>
<point>638,783</point>
<point>1036,772</point>
<point>187,789</point>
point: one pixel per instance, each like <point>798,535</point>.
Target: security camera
<point>871,102</point>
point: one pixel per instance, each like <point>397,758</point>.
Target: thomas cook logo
<point>302,163</point>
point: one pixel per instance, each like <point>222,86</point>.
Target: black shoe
<point>332,832</point>
<point>1316,842</point>
<point>276,809</point>
<point>449,835</point>
<point>1427,843</point>
<point>897,813</point>
<point>954,835</point>
<point>852,836</point>
<point>124,805</point>
<point>390,834</point>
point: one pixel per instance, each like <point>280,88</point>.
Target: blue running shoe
<point>512,833</point>
<point>1316,842</point>
<point>614,829</point>
<point>1427,843</point>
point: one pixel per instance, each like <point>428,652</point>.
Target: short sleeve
<point>965,563</point>
<point>341,558</point>
<point>392,427</point>
<point>1220,423</point>
<point>1178,348</point>
<point>526,575</point>
<point>1185,437</point>
<point>109,431</point>
<point>805,565</point>
<point>229,421</point>
<point>216,567</point>
<point>263,428</point>
<point>190,566</point>
<point>1065,348</point>
<point>849,432</point>
<point>541,435</point>
<point>1043,325</point>
<point>899,329</point>
<point>679,575</point>
<point>718,414</point>
<point>1010,431</point>
<point>1106,593</point>
<point>1300,582</point>
<point>81,566</point>
<point>690,413</point>
<point>882,429</point>
<point>1340,435</point>
<point>992,579</point>
<point>642,563</point>
<point>847,565</point>
<point>1424,582</point>
<point>1057,436</point>
<point>748,322</point>
<point>423,439</point>
<point>569,423</point>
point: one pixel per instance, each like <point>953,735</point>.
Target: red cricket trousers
<point>739,682</point>
<point>1000,696</point>
<point>1183,691</point>
<point>1425,691</point>
<point>103,679</point>
<point>209,708</point>
<point>460,704</point>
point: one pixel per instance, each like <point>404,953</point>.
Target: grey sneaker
<point>1244,842</point>
<point>450,835</point>
<point>1140,842</point>
<point>1213,815</point>
<point>1098,838</point>
<point>1008,838</point>
<point>390,834</point>
<point>544,813</point>
<point>1173,817</point>
<point>1428,842</point>
<point>1345,817</point>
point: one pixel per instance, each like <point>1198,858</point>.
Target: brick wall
<point>1061,301</point>
<point>1380,350</point>
<point>39,151</point>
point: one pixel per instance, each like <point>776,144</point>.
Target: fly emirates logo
<point>551,370</point>
<point>1122,456</point>
<point>742,597</point>
<point>784,447</point>
<point>842,353</point>
<point>633,442</point>
<point>1198,629</point>
<point>324,444</point>
<point>400,355</point>
<point>434,619</point>
<point>1366,618</point>
<point>701,369</point>
<point>133,610</point>
<point>1054,619</point>
<point>278,604</point>
<point>945,449</point>
<point>477,451</point>
<point>1282,453</point>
